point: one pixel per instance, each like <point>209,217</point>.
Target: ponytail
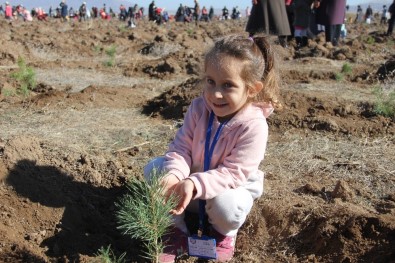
<point>269,77</point>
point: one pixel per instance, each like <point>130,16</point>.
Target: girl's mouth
<point>219,105</point>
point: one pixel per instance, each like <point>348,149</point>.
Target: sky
<point>169,5</point>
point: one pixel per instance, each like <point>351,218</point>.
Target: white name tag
<point>202,247</point>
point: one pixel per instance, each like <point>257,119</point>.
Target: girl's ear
<point>258,86</point>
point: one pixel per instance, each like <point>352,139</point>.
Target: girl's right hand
<point>184,191</point>
<point>169,183</point>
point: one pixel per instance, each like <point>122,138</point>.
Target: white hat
<point>84,3</point>
<point>6,3</point>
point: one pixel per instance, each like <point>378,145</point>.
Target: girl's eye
<point>210,81</point>
<point>227,85</point>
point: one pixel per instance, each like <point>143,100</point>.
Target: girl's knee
<point>154,167</point>
<point>229,211</point>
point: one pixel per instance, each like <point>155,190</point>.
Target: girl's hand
<point>169,183</point>
<point>184,191</point>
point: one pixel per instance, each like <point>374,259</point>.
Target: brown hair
<point>259,63</point>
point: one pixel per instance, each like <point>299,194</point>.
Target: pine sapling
<point>143,213</point>
<point>106,255</point>
<point>26,77</point>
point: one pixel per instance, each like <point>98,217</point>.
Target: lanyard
<point>208,153</point>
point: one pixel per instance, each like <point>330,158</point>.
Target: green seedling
<point>106,255</point>
<point>111,51</point>
<point>26,76</point>
<point>143,213</point>
<point>385,103</point>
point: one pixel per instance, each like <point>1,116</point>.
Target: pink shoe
<point>225,245</point>
<point>176,244</point>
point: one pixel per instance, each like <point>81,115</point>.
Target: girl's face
<point>225,90</point>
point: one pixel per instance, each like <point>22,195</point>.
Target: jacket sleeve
<point>178,157</point>
<point>241,163</point>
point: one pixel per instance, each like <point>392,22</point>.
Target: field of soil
<point>110,98</point>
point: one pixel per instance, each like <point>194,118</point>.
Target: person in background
<point>204,16</point>
<point>225,13</point>
<point>165,16</point>
<point>41,15</point>
<point>64,13</point>
<point>188,16</point>
<point>270,17</point>
<point>151,11</point>
<point>103,14</point>
<point>343,30</point>
<point>391,21</point>
<point>290,8</point>
<point>82,12</point>
<point>383,19</point>
<point>27,17</point>
<point>158,15</point>
<point>369,14</point>
<point>137,12</point>
<point>111,13</point>
<point>141,12</point>
<point>180,14</point>
<point>235,13</point>
<point>131,14</point>
<point>196,11</point>
<point>1,10</point>
<point>71,14</point>
<point>314,28</point>
<point>331,14</point>
<point>95,12</point>
<point>359,17</point>
<point>8,11</point>
<point>211,13</point>
<point>302,9</point>
<point>212,165</point>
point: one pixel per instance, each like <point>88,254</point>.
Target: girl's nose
<point>217,94</point>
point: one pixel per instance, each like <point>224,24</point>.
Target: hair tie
<point>251,38</point>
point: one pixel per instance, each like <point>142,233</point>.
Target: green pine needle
<point>143,213</point>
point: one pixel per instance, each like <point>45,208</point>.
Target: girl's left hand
<point>184,191</point>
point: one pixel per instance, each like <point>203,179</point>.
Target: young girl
<point>216,153</point>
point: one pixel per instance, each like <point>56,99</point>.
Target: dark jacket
<point>63,10</point>
<point>331,12</point>
<point>270,17</point>
<point>302,10</point>
<point>391,9</point>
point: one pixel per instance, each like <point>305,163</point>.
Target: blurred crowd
<point>297,19</point>
<point>301,20</point>
<point>129,14</point>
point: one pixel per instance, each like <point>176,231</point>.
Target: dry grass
<point>91,130</point>
<point>79,79</point>
<point>367,164</point>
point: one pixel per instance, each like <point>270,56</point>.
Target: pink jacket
<point>8,11</point>
<point>237,154</point>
